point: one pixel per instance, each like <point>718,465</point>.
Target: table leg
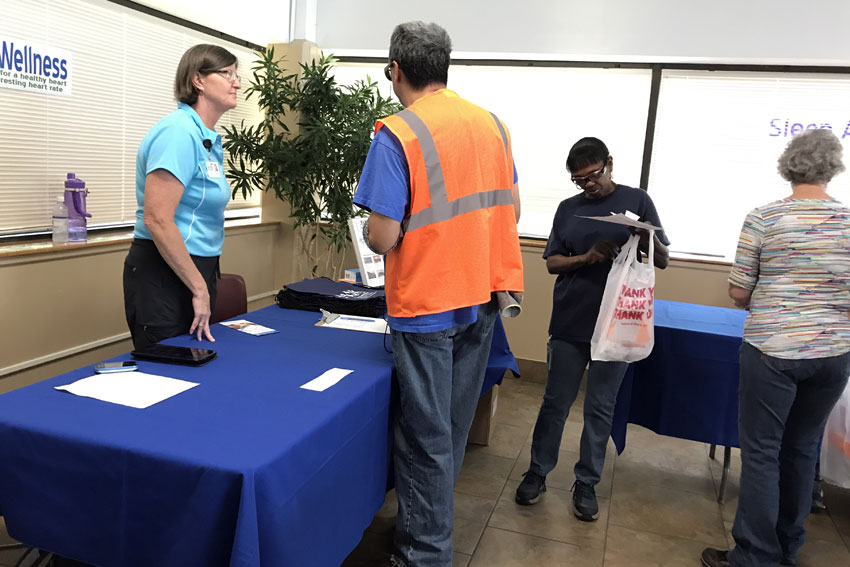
<point>727,458</point>
<point>711,451</point>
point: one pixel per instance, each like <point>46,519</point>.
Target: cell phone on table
<point>123,366</point>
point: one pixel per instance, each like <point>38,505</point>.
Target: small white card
<point>134,389</point>
<point>249,327</point>
<point>327,379</point>
<point>213,170</point>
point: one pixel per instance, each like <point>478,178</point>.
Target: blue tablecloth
<point>245,469</point>
<point>688,386</point>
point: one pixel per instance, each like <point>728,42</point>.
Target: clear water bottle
<point>60,221</point>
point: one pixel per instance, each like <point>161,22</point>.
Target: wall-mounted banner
<point>29,67</point>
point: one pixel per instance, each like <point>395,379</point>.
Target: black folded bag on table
<point>336,297</point>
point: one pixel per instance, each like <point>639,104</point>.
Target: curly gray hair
<point>812,156</point>
<point>423,51</point>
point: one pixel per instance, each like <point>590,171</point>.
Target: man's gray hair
<point>423,52</point>
<point>812,156</point>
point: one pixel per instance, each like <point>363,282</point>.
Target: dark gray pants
<point>782,411</point>
<point>157,304</point>
<point>567,361</point>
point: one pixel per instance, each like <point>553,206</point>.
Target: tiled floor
<point>658,504</point>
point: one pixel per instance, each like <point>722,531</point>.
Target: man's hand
<point>601,251</point>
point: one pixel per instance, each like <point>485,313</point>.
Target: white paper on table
<point>627,219</point>
<point>248,327</point>
<point>135,389</point>
<point>327,379</point>
<point>354,323</point>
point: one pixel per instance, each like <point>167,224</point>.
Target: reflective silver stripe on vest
<point>441,208</point>
<point>502,132</point>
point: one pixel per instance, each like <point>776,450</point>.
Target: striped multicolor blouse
<point>794,255</point>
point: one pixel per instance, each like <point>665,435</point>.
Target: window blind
<point>123,65</point>
<point>718,136</point>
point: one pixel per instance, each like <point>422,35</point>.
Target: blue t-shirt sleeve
<point>516,177</point>
<point>555,245</point>
<point>650,215</point>
<point>384,185</point>
<point>172,149</point>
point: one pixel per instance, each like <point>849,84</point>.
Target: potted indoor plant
<point>314,166</point>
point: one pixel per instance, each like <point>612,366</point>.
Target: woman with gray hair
<point>792,272</point>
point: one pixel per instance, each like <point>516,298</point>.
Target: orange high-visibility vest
<point>460,242</point>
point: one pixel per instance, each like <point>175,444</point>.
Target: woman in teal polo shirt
<point>171,270</point>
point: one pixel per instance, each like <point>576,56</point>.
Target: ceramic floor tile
<point>694,477</point>
<point>510,387</point>
<point>563,475</point>
<point>501,548</point>
<point>670,453</point>
<point>484,475</point>
<point>474,508</point>
<point>552,518</point>
<point>838,505</point>
<point>816,553</point>
<point>633,548</point>
<point>506,441</point>
<point>821,527</point>
<point>460,559</point>
<point>466,535</point>
<point>663,511</point>
<point>518,408</point>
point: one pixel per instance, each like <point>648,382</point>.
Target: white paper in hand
<point>133,389</point>
<point>627,219</point>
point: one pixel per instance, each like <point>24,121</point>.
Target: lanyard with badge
<point>213,168</point>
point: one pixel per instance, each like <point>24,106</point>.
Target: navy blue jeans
<point>783,408</point>
<point>439,376</point>
<point>567,361</point>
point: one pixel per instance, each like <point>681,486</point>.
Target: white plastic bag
<point>835,453</point>
<point>624,329</point>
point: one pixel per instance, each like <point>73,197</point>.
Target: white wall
<point>722,31</point>
<point>258,21</point>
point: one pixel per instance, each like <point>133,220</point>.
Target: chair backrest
<point>231,298</point>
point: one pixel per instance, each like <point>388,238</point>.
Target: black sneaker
<point>585,506</point>
<point>714,558</point>
<point>788,561</point>
<point>817,498</point>
<point>529,490</point>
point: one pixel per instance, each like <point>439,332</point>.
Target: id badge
<point>213,170</point>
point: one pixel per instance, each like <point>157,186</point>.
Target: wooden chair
<point>231,298</point>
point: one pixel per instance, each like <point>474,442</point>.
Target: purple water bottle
<point>75,200</point>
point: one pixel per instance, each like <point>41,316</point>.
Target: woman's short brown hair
<point>203,59</point>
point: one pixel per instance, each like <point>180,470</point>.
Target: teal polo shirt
<point>176,144</point>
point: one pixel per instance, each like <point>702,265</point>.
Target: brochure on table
<point>371,265</point>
